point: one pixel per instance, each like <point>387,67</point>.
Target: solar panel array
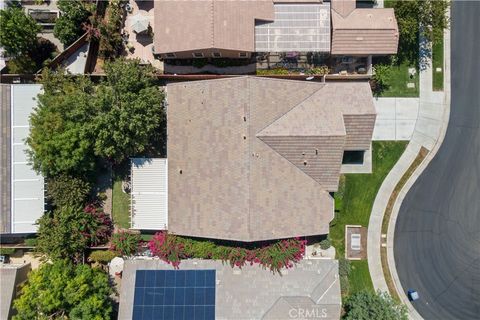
<point>174,294</point>
<point>297,27</point>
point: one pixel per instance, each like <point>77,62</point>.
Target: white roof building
<point>22,200</point>
<point>149,192</point>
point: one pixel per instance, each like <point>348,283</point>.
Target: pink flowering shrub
<point>125,243</point>
<point>167,248</point>
<point>282,254</point>
<point>99,226</point>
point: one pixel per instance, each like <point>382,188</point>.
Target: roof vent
<point>244,137</point>
<point>180,171</point>
<point>305,162</point>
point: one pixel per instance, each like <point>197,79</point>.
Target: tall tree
<point>68,27</point>
<point>61,290</point>
<point>131,111</point>
<point>61,139</point>
<point>18,31</point>
<point>366,305</point>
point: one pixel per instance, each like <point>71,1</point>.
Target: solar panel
<point>174,294</point>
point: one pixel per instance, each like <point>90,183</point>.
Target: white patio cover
<point>149,193</point>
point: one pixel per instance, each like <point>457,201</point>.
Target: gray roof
<point>253,158</point>
<point>297,27</point>
<point>252,292</point>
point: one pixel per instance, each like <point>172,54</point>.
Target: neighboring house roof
<point>364,31</point>
<point>254,158</point>
<point>253,292</point>
<point>300,27</point>
<point>11,277</point>
<point>185,25</point>
<point>22,195</point>
<point>149,190</point>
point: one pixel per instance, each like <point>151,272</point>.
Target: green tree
<point>68,27</point>
<point>61,139</point>
<point>18,32</point>
<point>411,15</point>
<point>61,290</point>
<point>131,111</point>
<point>61,234</point>
<point>65,190</point>
<point>366,305</point>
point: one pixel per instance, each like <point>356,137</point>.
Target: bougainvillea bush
<point>99,226</point>
<point>282,254</point>
<point>125,243</point>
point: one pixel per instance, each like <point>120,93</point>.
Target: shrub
<point>167,248</point>
<point>282,254</point>
<point>31,242</point>
<point>344,285</point>
<point>100,226</point>
<point>7,251</point>
<point>65,190</point>
<point>102,256</point>
<point>365,305</point>
<point>18,31</point>
<point>344,267</point>
<point>273,71</point>
<point>111,42</point>
<point>68,27</point>
<point>325,244</point>
<point>380,78</point>
<point>125,243</point>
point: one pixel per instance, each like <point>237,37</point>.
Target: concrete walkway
<point>429,132</point>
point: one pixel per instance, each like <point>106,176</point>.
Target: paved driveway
<point>396,118</point>
<point>437,235</point>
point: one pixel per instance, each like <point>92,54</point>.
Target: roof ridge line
<point>285,113</point>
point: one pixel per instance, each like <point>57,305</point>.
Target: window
<point>170,55</point>
<point>353,157</point>
<point>197,55</point>
<point>216,54</point>
<point>242,54</point>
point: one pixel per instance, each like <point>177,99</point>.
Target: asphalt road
<point>437,235</point>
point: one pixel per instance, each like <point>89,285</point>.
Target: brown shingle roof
<point>237,149</point>
<point>365,31</point>
<point>187,25</point>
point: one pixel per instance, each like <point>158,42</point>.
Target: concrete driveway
<point>396,118</point>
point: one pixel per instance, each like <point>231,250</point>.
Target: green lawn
<point>437,62</point>
<point>354,201</point>
<point>359,278</point>
<point>397,83</point>
<point>120,205</point>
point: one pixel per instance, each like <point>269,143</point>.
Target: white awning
<point>27,186</point>
<point>149,193</point>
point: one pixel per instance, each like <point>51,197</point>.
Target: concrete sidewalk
<point>429,132</point>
